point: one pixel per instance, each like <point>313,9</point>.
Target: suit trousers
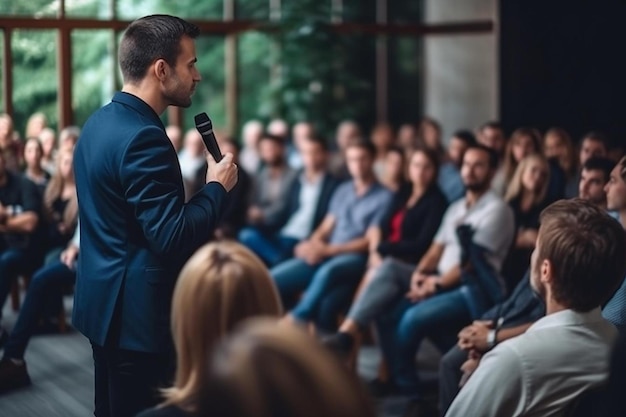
<point>127,381</point>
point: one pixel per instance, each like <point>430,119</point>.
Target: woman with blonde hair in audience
<point>60,205</point>
<point>523,142</point>
<point>36,123</point>
<point>527,197</point>
<point>222,284</point>
<point>264,370</point>
<point>33,170</point>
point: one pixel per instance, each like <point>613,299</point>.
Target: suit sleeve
<point>153,188</point>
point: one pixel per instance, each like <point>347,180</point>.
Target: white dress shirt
<point>540,372</point>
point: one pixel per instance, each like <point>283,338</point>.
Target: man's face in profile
<point>183,77</point>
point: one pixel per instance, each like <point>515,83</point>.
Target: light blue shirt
<point>355,214</point>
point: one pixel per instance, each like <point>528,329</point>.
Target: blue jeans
<point>338,277</point>
<point>271,249</point>
<point>45,286</point>
<point>401,332</point>
<point>12,263</point>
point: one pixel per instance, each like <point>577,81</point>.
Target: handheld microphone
<point>205,127</point>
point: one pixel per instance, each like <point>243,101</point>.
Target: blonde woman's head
<point>222,284</point>
<point>531,175</point>
<point>271,370</point>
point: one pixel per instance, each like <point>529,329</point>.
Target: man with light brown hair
<point>576,266</point>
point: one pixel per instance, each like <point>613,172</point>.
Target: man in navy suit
<point>136,229</point>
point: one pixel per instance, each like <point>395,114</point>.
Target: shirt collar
<point>567,318</point>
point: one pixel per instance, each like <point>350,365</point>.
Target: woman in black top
<point>412,220</point>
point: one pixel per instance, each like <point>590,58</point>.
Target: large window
<point>323,60</point>
<point>35,75</point>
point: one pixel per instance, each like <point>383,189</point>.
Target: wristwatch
<point>491,338</point>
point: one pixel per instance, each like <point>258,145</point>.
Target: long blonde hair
<point>53,191</point>
<point>510,164</point>
<point>222,284</point>
<point>515,187</point>
<point>268,370</point>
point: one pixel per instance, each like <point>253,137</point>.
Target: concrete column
<point>460,80</point>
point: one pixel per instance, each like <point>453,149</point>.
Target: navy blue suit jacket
<point>136,230</point>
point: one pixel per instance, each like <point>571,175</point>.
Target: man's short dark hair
<point>585,247</point>
<point>597,137</point>
<point>364,144</point>
<point>273,138</point>
<point>493,156</point>
<point>150,38</point>
<point>491,124</point>
<point>319,141</point>
<point>465,136</point>
<point>598,163</point>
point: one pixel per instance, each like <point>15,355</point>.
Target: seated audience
<point>10,145</point>
<point>265,370</point>
<point>33,169</point>
<point>68,137</point>
<point>407,230</point>
<point>393,173</point>
<point>45,290</point>
<point>502,322</point>
<point>559,151</point>
<point>307,203</point>
<point>429,135</point>
<point>593,177</point>
<point>383,138</point>
<point>449,179</point>
<point>234,217</point>
<point>526,195</point>
<point>411,303</point>
<point>300,132</point>
<point>191,158</point>
<point>615,309</point>
<point>592,144</point>
<point>60,206</point>
<point>20,208</point>
<point>491,134</point>
<point>219,287</point>
<point>347,131</point>
<point>523,142</point>
<point>407,137</point>
<point>175,136</point>
<point>280,128</point>
<point>48,140</point>
<point>36,123</point>
<point>578,263</point>
<point>271,184</point>
<point>336,253</point>
<point>249,156</point>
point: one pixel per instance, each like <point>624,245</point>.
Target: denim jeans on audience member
<point>294,276</point>
<point>12,263</point>
<point>401,332</point>
<point>271,249</point>
<point>46,286</point>
<point>389,284</point>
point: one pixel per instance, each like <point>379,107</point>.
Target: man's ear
<point>546,271</point>
<point>160,69</point>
